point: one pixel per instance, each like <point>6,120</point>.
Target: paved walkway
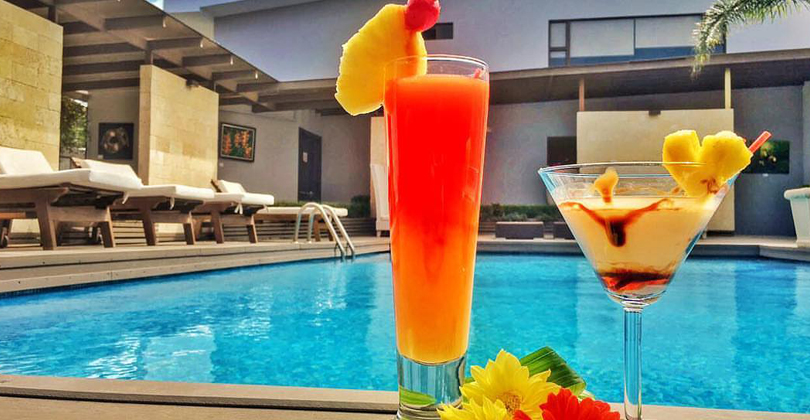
<point>26,268</point>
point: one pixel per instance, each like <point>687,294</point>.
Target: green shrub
<point>518,212</point>
<point>360,207</point>
<point>513,217</point>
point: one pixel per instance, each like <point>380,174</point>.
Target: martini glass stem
<point>632,363</point>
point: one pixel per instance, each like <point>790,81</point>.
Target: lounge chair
<point>233,205</point>
<point>31,189</point>
<point>154,203</point>
<point>379,181</point>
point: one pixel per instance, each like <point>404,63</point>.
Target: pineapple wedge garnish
<point>386,37</point>
<point>722,156</point>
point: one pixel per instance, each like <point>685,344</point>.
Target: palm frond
<point>713,28</point>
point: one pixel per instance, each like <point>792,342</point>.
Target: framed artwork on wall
<point>772,158</point>
<point>237,142</point>
<point>116,141</point>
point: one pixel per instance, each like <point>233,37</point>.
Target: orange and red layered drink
<point>436,112</point>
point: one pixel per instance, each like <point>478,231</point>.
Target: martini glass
<point>635,240</point>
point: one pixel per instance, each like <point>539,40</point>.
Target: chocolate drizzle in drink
<point>628,280</point>
<point>616,226</point>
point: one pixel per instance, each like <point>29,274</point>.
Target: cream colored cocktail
<point>636,243</point>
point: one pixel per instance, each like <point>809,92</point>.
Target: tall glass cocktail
<point>436,131</point>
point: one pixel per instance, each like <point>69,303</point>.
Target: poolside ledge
<point>41,398</point>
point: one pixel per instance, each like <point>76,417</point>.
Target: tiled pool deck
<point>41,398</point>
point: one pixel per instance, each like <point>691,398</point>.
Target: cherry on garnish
<point>420,15</point>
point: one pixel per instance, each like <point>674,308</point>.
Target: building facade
<point>301,39</point>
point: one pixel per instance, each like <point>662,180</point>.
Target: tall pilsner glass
<point>436,124</point>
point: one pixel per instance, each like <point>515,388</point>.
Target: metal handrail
<point>328,214</point>
<point>342,230</point>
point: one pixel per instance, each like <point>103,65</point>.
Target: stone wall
<point>177,131</point>
<point>30,81</point>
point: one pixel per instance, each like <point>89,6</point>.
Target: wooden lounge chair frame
<point>151,210</point>
<point>226,213</point>
<point>54,205</point>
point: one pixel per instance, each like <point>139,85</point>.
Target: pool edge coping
<point>276,397</point>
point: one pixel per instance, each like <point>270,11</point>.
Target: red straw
<point>759,141</point>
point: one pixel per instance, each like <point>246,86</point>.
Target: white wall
<point>344,154</point>
<point>516,147</point>
<point>346,157</point>
<point>806,129</point>
<point>761,208</point>
<point>303,41</point>
<point>792,31</point>
<point>113,106</point>
<point>275,170</point>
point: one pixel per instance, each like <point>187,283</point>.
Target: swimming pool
<point>728,333</point>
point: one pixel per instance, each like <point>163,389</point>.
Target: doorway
<point>309,166</point>
<point>561,151</point>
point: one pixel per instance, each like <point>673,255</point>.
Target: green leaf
<point>561,374</point>
<point>415,398</point>
<point>586,394</point>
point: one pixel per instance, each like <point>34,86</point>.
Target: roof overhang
<point>246,6</point>
<point>106,42</point>
<point>749,70</point>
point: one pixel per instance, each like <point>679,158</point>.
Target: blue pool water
<point>728,333</point>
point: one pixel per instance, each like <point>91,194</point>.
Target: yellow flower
<point>473,411</point>
<point>505,380</point>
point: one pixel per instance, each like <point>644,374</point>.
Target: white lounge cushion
<point>229,187</point>
<point>116,168</point>
<point>182,192</point>
<point>23,162</point>
<point>81,177</point>
<point>292,211</point>
<point>252,199</point>
<point>797,193</point>
<point>246,199</point>
<point>226,198</point>
<point>177,191</point>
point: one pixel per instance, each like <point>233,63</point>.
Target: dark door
<point>309,166</point>
<point>561,151</point>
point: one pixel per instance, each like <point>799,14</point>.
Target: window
<point>561,151</point>
<point>439,31</point>
<point>592,41</point>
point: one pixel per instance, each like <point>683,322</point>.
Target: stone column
<point>806,131</point>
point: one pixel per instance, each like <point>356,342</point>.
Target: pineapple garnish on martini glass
<point>637,221</point>
<point>436,111</point>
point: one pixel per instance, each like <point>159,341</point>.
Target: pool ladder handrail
<point>328,214</point>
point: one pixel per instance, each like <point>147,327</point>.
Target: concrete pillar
<point>806,131</point>
<point>378,152</point>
